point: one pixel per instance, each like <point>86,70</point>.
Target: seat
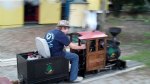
<point>42,47</point>
<point>52,68</point>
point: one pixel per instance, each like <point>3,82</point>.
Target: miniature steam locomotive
<point>100,53</point>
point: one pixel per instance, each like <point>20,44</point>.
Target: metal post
<point>102,15</point>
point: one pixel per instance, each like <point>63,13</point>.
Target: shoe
<point>15,82</point>
<point>78,79</point>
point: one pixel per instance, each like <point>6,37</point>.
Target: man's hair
<point>60,27</point>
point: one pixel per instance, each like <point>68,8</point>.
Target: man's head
<point>63,25</point>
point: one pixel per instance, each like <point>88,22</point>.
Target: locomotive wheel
<point>94,71</point>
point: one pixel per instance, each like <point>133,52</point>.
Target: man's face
<point>65,29</point>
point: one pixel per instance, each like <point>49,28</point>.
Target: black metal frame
<point>34,71</point>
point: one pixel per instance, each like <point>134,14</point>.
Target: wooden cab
<point>95,52</point>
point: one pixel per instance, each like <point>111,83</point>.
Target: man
<point>56,40</point>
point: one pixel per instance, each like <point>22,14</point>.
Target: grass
<point>142,56</point>
<point>113,20</point>
<point>144,52</point>
<point>147,41</point>
<point>140,17</point>
<point>147,34</point>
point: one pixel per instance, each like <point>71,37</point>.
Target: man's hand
<point>83,46</point>
<point>75,46</point>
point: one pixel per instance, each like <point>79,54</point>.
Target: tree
<point>136,6</point>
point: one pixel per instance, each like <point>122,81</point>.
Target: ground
<point>134,38</point>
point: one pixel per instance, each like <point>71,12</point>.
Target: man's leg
<point>74,60</point>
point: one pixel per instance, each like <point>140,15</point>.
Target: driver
<point>56,40</point>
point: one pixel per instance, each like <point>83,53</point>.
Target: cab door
<point>49,11</point>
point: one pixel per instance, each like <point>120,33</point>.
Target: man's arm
<point>75,46</point>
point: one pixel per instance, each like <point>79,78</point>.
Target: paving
<point>10,71</point>
<point>20,40</point>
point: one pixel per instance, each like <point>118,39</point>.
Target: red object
<point>4,80</point>
<point>36,13</point>
<point>91,35</point>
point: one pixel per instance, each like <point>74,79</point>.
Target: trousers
<point>74,60</point>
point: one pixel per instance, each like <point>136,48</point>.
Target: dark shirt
<point>56,40</point>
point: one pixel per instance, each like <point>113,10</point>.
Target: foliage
<point>138,9</point>
<point>134,2</point>
<point>134,6</point>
